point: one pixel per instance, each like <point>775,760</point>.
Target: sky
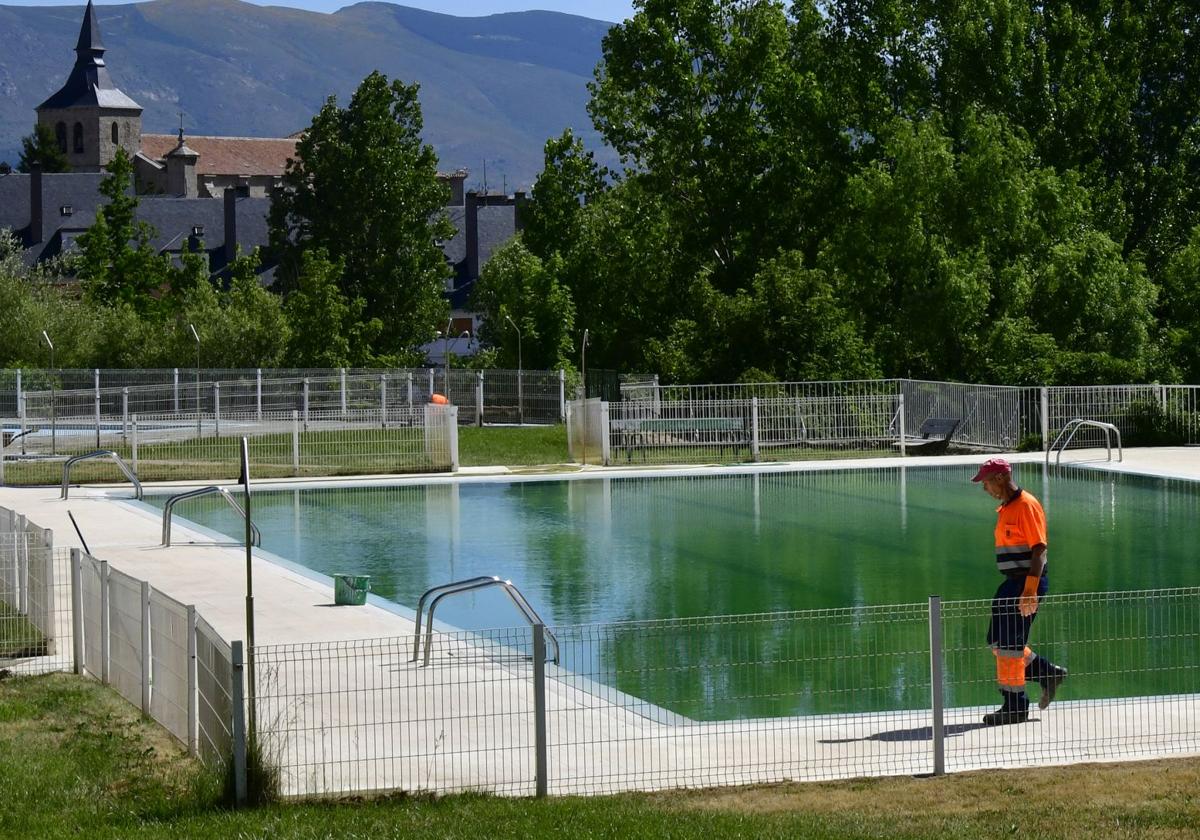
<point>611,10</point>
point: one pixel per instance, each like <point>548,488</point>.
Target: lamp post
<point>583,363</point>
<point>53,398</point>
<point>196,336</point>
<point>520,369</point>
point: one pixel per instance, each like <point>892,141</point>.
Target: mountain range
<point>493,89</point>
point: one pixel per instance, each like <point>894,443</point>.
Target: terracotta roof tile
<point>227,155</point>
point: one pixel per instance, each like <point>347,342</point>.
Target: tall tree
<point>364,187</point>
<point>117,262</point>
<point>41,148</point>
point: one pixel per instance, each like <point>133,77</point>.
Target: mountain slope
<point>492,88</point>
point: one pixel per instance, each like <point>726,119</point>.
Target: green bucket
<point>351,590</point>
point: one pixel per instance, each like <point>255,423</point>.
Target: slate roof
<point>173,218</point>
<point>227,155</point>
<point>89,84</point>
<point>14,201</point>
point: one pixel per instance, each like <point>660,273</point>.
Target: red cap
<point>993,466</point>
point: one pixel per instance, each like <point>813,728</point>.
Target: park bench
<point>642,433</point>
<point>933,437</point>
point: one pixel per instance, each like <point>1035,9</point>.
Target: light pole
<point>53,398</point>
<point>446,356</point>
<point>196,336</point>
<point>520,368</point>
<point>583,363</point>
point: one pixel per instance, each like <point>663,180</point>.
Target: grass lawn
<point>76,760</point>
<point>353,452</point>
<point>18,638</point>
<point>512,446</point>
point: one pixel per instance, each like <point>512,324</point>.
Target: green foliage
<point>41,147</point>
<point>517,287</point>
<point>1149,424</point>
<point>363,187</point>
<point>1001,192</point>
<point>327,329</point>
<point>117,263</point>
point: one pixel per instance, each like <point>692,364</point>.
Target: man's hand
<point>1029,600</point>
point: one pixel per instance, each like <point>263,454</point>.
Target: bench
<point>933,437</point>
<point>663,431</point>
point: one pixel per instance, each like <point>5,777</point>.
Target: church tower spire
<point>90,116</point>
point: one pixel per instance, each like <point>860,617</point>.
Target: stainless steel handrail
<point>99,453</point>
<point>1074,426</point>
<point>169,507</point>
<point>483,582</point>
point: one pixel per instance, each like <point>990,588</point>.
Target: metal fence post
<point>77,607</point>
<point>410,389</point>
<point>452,435</point>
<point>479,398</point>
<point>134,444</point>
<point>258,394</point>
<point>124,414</point>
<point>175,390</point>
<point>97,406</point>
<point>238,724</point>
<point>147,677</point>
<point>24,427</point>
<point>304,403</point>
<point>20,394</point>
<point>539,708</point>
<point>1045,419</point>
<point>431,384</point>
<point>520,398</point>
<point>105,627</point>
<point>295,444</point>
<point>22,592</point>
<point>383,400</point>
<point>562,395</point>
<point>193,724</point>
<point>605,434</point>
<point>216,409</point>
<point>935,684</point>
<point>903,434</point>
<point>754,428</point>
<point>343,381</point>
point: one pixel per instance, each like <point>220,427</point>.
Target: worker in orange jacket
<point>1021,558</point>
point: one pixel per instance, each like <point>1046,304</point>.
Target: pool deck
<point>643,753</point>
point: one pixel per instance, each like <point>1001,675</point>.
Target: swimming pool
<point>637,549</point>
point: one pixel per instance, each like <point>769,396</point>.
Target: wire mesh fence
<point>35,605</point>
<point>483,396</point>
<point>754,429</point>
<point>159,655</point>
<point>819,694</point>
<point>1146,415</point>
<point>389,439</point>
<point>1132,688</point>
<point>359,716</point>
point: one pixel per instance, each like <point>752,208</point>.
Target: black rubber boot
<point>1046,674</point>
<point>1014,709</point>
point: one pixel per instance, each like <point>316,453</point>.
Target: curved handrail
<point>169,508</point>
<point>99,453</point>
<point>1074,426</point>
<point>483,582</point>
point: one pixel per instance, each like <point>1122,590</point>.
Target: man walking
<point>1021,558</point>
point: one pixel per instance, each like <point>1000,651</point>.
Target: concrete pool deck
<point>595,745</point>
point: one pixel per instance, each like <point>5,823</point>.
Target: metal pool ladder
<point>1074,426</point>
<point>169,507</point>
<point>470,584</point>
<point>99,453</point>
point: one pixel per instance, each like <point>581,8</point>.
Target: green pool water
<point>642,549</point>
